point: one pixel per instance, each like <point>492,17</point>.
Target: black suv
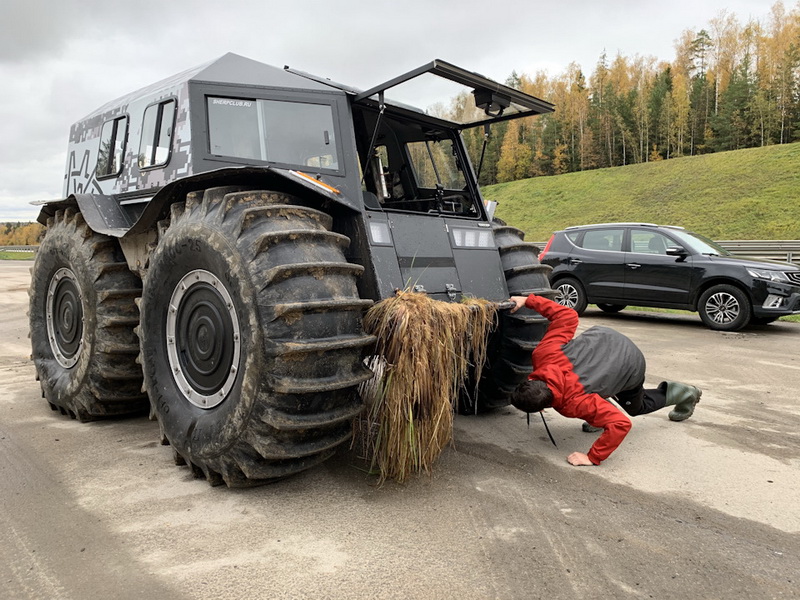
<point>615,265</point>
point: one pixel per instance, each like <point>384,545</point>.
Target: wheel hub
<point>64,318</point>
<point>203,338</point>
<point>722,308</point>
<point>567,296</point>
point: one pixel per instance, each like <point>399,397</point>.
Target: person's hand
<point>579,459</point>
<point>519,302</point>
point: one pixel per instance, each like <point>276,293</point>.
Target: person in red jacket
<point>576,375</point>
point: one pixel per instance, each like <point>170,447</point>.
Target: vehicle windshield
<point>413,167</point>
<point>699,244</point>
<point>291,133</point>
<point>435,164</point>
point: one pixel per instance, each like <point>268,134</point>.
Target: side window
<point>603,239</point>
<point>292,133</point>
<point>649,242</point>
<point>112,147</point>
<point>156,134</point>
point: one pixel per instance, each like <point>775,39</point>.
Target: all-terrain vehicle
<point>222,233</point>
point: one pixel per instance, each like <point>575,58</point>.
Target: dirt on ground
<point>707,508</point>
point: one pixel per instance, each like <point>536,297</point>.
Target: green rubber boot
<point>684,398</point>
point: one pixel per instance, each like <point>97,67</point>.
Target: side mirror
<point>677,251</point>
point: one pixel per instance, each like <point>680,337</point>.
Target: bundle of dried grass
<point>423,357</point>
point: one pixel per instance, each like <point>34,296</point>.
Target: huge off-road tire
<point>251,336</point>
<point>516,335</point>
<point>82,319</point>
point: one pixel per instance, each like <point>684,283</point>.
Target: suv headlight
<point>768,274</point>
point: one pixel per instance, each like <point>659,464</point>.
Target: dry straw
<point>424,352</point>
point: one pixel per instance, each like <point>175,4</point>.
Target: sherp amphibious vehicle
<point>222,233</point>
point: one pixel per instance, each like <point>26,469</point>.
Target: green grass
<point>749,194</point>
<point>745,194</point>
<point>16,255</point>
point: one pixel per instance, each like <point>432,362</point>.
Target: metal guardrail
<point>782,250</point>
<point>19,248</point>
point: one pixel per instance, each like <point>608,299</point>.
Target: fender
<point>104,214</point>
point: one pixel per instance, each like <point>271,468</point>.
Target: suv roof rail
<point>623,224</point>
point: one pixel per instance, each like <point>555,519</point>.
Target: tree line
<point>20,234</point>
<point>731,85</point>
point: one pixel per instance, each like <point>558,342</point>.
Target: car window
<point>603,239</point>
<point>700,244</point>
<point>645,241</point>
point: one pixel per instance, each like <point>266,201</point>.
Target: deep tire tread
<point>309,310</point>
<point>106,382</point>
<point>517,334</point>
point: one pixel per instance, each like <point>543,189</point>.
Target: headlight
<point>473,238</point>
<point>768,275</point>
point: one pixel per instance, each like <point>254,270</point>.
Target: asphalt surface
<point>707,508</point>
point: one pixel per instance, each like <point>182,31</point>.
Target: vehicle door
<point>597,262</point>
<point>651,276</point>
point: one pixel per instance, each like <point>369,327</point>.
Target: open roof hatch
<point>492,101</point>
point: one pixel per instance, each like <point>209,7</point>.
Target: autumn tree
<point>20,234</point>
<point>730,85</point>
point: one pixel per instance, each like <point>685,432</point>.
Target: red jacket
<point>552,366</point>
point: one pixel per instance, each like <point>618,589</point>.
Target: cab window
<point>291,133</point>
<point>412,167</point>
<point>112,147</point>
<point>435,164</point>
<point>156,134</point>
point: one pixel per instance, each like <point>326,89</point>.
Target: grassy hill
<point>745,194</point>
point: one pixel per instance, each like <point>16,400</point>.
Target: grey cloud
<point>60,60</point>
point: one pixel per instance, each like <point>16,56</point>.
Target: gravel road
<point>708,508</point>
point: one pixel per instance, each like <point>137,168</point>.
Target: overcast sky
<point>61,59</point>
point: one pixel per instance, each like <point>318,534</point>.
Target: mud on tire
<point>516,335</point>
<point>82,319</point>
<point>251,336</point>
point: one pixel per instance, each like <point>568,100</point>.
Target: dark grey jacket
<point>605,361</point>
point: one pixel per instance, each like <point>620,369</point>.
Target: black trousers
<point>639,401</point>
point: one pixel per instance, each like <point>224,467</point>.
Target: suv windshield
<point>699,243</point>
<point>292,133</point>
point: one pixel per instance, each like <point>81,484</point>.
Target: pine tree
<point>733,123</point>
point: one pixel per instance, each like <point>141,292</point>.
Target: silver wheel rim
<point>64,318</point>
<point>723,308</point>
<point>184,289</point>
<point>567,295</point>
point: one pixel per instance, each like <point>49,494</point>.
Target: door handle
<point>633,265</point>
<point>575,261</point>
